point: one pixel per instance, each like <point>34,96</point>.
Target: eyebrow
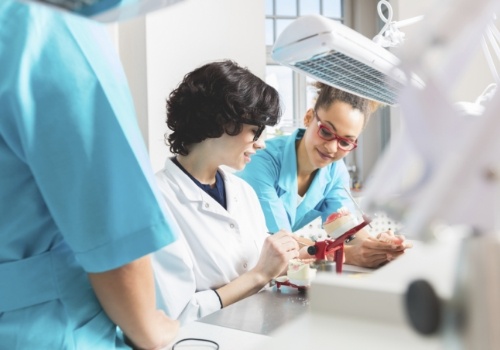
<point>335,129</point>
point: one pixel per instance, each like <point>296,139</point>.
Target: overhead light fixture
<point>337,55</point>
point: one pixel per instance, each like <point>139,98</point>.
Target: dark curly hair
<point>218,98</point>
<point>327,95</point>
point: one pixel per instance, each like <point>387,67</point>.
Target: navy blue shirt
<point>218,192</point>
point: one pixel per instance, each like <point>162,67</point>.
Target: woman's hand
<point>277,250</point>
<point>375,251</point>
<point>390,237</point>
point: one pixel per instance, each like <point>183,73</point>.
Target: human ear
<point>308,117</point>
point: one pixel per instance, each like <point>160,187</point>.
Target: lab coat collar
<point>190,192</point>
<point>289,163</point>
<point>316,192</point>
<point>288,181</point>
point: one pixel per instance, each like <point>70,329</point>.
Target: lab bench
<point>248,324</point>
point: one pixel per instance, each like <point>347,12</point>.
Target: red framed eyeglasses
<point>327,134</point>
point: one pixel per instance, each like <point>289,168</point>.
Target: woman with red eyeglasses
<point>300,177</point>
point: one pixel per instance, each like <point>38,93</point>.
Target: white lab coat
<point>215,246</point>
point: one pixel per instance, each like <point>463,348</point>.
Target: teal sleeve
<point>69,130</point>
<point>262,173</point>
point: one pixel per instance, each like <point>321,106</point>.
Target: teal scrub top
<point>272,173</point>
<point>77,192</point>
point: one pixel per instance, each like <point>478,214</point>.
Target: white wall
<point>158,50</point>
<point>476,76</point>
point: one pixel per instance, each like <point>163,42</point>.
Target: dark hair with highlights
<point>218,98</point>
<point>328,95</point>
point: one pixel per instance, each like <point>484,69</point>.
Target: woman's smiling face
<point>340,119</point>
<point>236,151</point>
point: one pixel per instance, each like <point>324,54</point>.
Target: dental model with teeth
<point>339,223</point>
<point>300,272</point>
<point>301,176</point>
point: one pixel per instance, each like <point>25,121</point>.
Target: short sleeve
<point>68,122</point>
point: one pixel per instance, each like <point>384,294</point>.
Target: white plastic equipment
<point>336,55</point>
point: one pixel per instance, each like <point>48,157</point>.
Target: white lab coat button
<point>245,265</point>
<point>207,205</point>
<point>231,225</point>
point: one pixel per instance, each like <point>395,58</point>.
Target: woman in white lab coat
<point>224,254</point>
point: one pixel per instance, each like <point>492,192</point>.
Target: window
<point>295,90</point>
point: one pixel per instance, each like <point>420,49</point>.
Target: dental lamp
<point>336,55</point>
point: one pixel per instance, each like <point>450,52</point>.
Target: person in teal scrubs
<point>302,176</point>
<point>79,210</point>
